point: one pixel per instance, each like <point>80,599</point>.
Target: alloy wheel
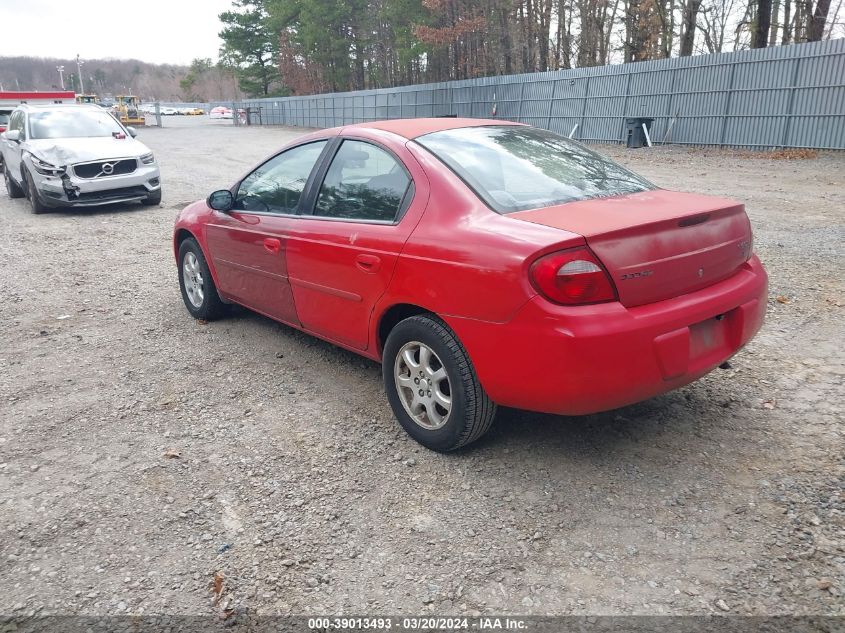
<point>423,385</point>
<point>193,280</point>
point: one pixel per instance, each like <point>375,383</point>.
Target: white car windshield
<point>72,123</point>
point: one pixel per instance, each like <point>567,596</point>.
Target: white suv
<point>76,155</point>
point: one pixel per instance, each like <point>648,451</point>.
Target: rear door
<point>341,256</point>
<point>248,244</point>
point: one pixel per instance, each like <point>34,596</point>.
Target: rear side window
<point>4,119</point>
<point>514,168</point>
<point>363,182</point>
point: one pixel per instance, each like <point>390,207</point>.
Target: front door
<point>12,151</point>
<point>248,244</point>
<point>341,257</point>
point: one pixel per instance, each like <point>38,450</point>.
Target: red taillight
<point>572,277</point>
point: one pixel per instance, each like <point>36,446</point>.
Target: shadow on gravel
<point>675,418</point>
<point>674,422</point>
<point>118,207</point>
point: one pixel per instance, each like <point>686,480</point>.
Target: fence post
<point>584,108</point>
<point>727,105</point>
<point>790,106</point>
<point>625,107</point>
<point>551,105</point>
<point>669,107</point>
<point>521,99</point>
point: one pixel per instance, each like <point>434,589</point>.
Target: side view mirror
<point>132,131</point>
<point>221,200</point>
<point>13,135</point>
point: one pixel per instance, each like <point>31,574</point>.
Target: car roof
<point>413,128</point>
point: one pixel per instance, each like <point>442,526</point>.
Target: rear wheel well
<point>393,316</point>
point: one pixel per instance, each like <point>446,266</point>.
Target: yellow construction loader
<point>127,110</point>
<point>92,99</point>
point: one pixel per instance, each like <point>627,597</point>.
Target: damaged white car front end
<point>76,155</point>
<point>63,181</point>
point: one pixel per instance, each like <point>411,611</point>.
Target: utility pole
<point>79,63</point>
<point>61,70</point>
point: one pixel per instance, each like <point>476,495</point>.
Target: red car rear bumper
<point>586,359</point>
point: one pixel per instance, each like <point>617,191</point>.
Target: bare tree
<point>787,26</point>
<point>816,27</point>
<point>689,20</point>
<point>715,16</point>
<point>761,24</point>
<point>773,30</point>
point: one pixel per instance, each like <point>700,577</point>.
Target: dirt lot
<point>296,483</point>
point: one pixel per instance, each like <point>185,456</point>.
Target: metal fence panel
<point>791,96</point>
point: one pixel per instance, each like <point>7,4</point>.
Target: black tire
<point>12,187</point>
<point>152,199</point>
<point>35,203</point>
<point>472,411</point>
<point>211,307</point>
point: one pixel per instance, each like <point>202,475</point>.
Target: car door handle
<point>368,263</point>
<point>272,245</point>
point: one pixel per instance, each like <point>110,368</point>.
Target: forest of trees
<point>202,81</point>
<point>278,47</point>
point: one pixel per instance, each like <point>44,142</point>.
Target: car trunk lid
<point>657,244</point>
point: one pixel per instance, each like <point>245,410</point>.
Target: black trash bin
<point>634,133</point>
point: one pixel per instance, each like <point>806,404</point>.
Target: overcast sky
<point>157,31</point>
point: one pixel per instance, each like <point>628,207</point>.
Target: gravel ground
<point>294,482</point>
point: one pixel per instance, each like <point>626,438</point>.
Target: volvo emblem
<point>108,168</point>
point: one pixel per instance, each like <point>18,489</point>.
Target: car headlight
<point>148,159</point>
<point>46,169</point>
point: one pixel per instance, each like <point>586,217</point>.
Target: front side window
<point>363,182</point>
<point>514,168</point>
<point>16,122</point>
<point>72,123</point>
<point>277,185</point>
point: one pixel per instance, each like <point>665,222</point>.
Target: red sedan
<point>483,263</point>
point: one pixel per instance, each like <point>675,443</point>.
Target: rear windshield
<point>72,123</point>
<point>513,168</point>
